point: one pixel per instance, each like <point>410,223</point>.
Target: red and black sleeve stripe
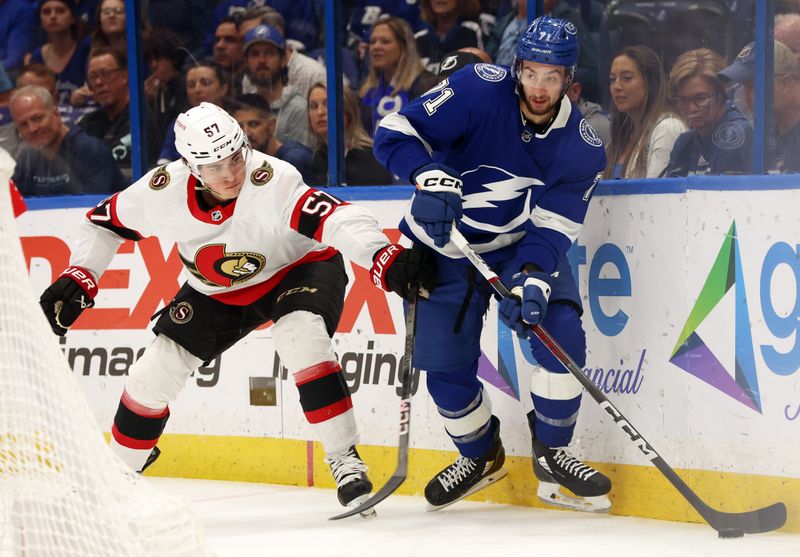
<point>105,216</point>
<point>312,210</point>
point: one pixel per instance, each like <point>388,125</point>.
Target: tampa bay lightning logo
<point>571,29</point>
<point>495,200</point>
<point>728,136</point>
<point>490,72</point>
<point>589,135</point>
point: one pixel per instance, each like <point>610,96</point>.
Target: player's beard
<point>547,110</point>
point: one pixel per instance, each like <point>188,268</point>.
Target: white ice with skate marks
<point>249,519</point>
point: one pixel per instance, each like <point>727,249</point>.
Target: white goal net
<point>63,493</point>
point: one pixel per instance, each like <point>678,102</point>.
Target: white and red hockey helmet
<point>206,134</point>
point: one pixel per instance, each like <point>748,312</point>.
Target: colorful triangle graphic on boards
<point>692,355</point>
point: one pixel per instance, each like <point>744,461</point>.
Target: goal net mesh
<point>63,493</point>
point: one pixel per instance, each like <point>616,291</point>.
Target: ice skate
<point>565,481</point>
<point>352,484</point>
<point>467,475</point>
<point>154,454</point>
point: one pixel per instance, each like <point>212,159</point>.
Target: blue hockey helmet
<point>548,40</point>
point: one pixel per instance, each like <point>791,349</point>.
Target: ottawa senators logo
<point>262,174</point>
<point>160,179</point>
<point>216,267</point>
<point>181,313</point>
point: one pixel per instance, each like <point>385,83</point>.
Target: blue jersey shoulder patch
<point>490,72</point>
<point>729,136</point>
<point>589,135</point>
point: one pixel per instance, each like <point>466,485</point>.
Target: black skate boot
<point>565,481</point>
<point>154,454</point>
<point>350,474</point>
<point>467,475</point>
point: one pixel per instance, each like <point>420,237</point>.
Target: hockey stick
<point>750,522</point>
<point>406,372</point>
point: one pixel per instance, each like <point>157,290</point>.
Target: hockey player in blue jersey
<point>505,155</point>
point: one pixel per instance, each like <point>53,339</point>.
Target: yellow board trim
<point>638,490</point>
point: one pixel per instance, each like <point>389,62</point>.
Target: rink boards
<point>691,296</point>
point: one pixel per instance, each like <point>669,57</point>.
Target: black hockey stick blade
<point>407,373</point>
<point>756,521</point>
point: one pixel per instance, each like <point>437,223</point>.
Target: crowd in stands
<point>664,104</point>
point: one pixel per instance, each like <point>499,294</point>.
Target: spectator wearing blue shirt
<point>66,50</point>
<point>719,139</point>
<point>254,115</point>
<point>8,132</point>
<point>16,21</point>
<point>55,160</point>
<point>396,73</point>
<point>784,155</point>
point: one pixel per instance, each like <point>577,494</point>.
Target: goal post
<point>63,493</point>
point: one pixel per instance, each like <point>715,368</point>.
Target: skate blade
<point>558,495</point>
<point>368,513</point>
<point>485,482</point>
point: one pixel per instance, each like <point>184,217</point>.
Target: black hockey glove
<point>397,269</point>
<point>67,297</point>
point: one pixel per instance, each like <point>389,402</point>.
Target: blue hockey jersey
<point>525,194</point>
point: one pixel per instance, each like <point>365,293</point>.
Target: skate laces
<point>572,465</point>
<point>456,472</point>
<point>346,467</point>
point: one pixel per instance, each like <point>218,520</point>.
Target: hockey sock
<point>136,431</point>
<point>556,402</point>
<point>325,400</point>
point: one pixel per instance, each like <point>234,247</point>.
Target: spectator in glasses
<point>719,139</point>
<point>108,79</point>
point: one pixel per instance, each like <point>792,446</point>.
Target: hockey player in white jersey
<point>258,245</point>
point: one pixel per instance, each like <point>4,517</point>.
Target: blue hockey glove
<point>528,304</point>
<point>437,202</point>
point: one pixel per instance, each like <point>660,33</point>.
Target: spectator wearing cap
<point>16,21</point>
<point>54,159</point>
<point>720,138</point>
<point>265,63</point>
<point>258,122</point>
<point>8,132</point>
<point>66,50</point>
<point>304,71</point>
<point>785,129</point>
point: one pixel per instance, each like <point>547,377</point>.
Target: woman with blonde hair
<point>360,166</point>
<point>395,71</point>
<point>643,129</point>
<point>719,137</point>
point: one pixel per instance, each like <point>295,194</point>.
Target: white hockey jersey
<point>239,251</point>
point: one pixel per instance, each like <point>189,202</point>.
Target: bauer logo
<point>692,354</point>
